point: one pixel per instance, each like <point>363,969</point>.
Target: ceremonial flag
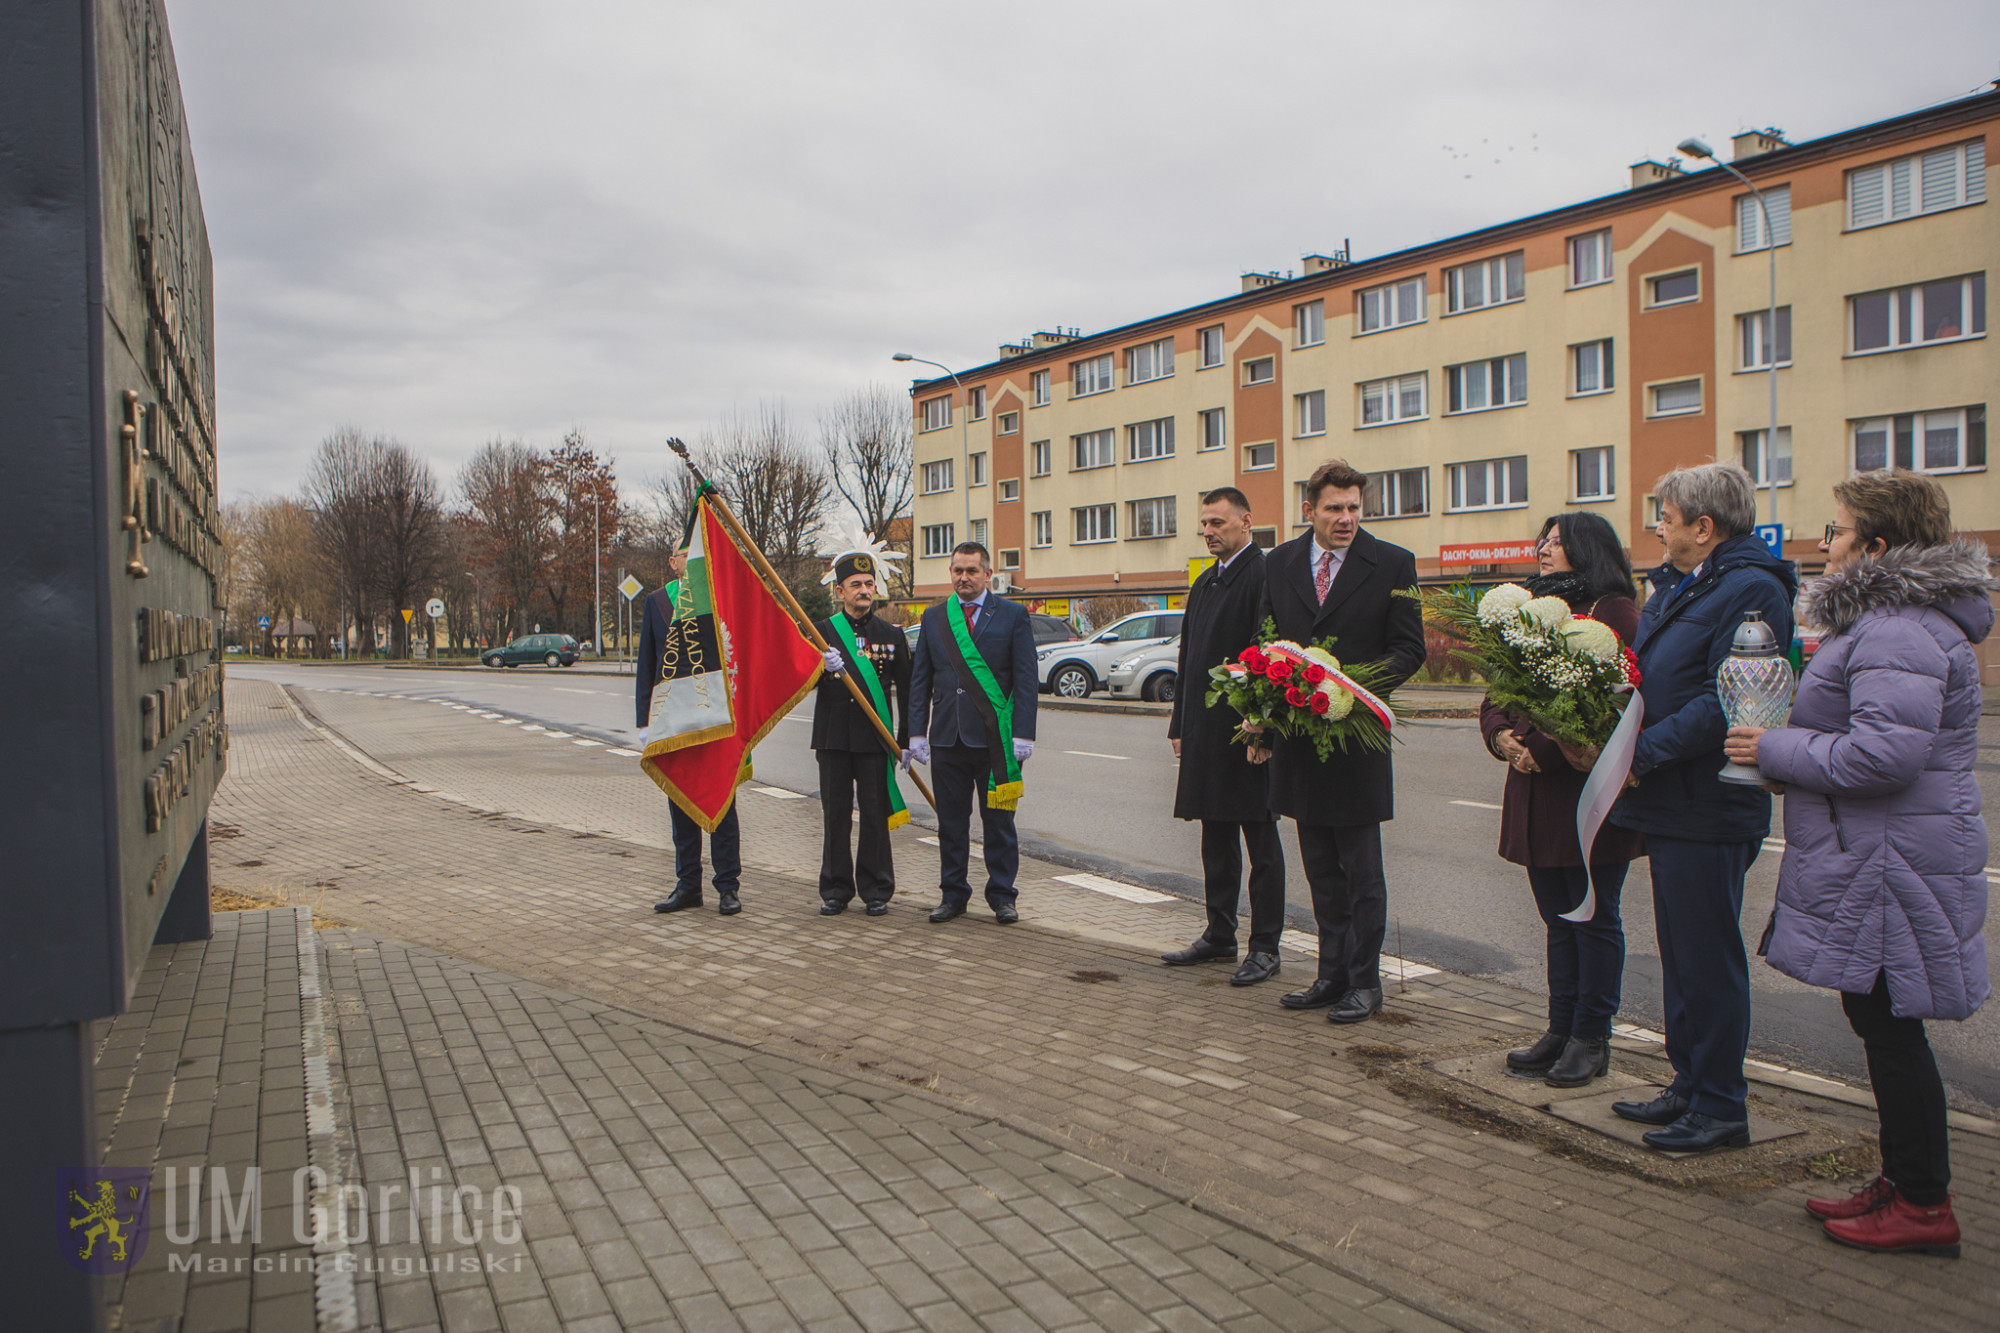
<point>732,663</point>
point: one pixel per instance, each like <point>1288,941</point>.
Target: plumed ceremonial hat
<point>860,554</point>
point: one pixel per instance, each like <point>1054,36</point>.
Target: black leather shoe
<point>946,911</point>
<point>1583,1059</point>
<point>831,908</point>
<point>1198,952</point>
<point>878,909</point>
<point>1006,914</point>
<point>1695,1132</point>
<point>1664,1109</point>
<point>1538,1058</point>
<point>726,902</point>
<point>1357,1006</point>
<point>1316,996</point>
<point>1256,967</point>
<point>679,900</point>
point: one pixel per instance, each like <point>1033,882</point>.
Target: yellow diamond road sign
<point>631,587</point>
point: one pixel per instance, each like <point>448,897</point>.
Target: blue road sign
<point>1773,536</point>
<point>263,622</point>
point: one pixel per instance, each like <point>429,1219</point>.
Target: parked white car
<point>1075,670</point>
<point>1151,674</point>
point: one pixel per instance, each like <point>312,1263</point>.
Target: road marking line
<point>564,689</point>
<point>779,793</point>
<point>585,742</point>
<point>1400,968</point>
<point>556,735</point>
<point>623,753</point>
<point>1112,888</point>
<point>510,721</point>
<point>1478,805</point>
<point>533,726</point>
<point>972,851</point>
<point>1092,754</point>
<point>1636,1033</point>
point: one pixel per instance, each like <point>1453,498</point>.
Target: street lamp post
<point>597,573</point>
<point>1696,148</point>
<point>964,437</point>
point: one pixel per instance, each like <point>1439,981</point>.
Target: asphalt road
<point>1100,796</point>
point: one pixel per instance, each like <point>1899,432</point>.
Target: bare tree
<point>280,570</point>
<point>582,496</point>
<point>505,492</point>
<point>779,489</point>
<point>866,436</point>
<point>338,490</point>
<point>409,507</point>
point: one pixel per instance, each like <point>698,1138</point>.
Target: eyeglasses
<point>1833,530</point>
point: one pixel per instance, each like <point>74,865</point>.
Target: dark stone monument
<point>109,564</point>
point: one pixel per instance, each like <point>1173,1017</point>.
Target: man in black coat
<point>852,756</point>
<point>1218,785</point>
<point>1339,581</point>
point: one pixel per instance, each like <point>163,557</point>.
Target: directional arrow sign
<point>631,587</point>
<point>434,608</point>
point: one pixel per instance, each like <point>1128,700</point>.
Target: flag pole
<point>797,612</point>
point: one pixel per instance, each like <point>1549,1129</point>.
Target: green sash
<point>1004,786</point>
<point>899,814</point>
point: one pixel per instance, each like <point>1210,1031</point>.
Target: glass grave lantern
<point>1755,686</point>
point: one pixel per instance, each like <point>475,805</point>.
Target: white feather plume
<point>854,540</point>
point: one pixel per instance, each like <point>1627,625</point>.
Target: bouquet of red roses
<point>1280,686</point>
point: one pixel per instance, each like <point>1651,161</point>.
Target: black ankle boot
<point>1582,1059</point>
<point>1536,1059</point>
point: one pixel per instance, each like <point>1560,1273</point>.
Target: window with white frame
<point>1010,489</point>
<point>1146,519</point>
<point>1214,429</point>
<point>1148,440</point>
<point>1263,538</point>
<point>1045,527</point>
<point>979,531</point>
<point>1010,423</point>
<point>1953,440</point>
<point>1038,458</point>
<point>1261,371</point>
<point>1094,523</point>
<point>1403,493</point>
<point>1926,313</point>
<point>1386,402</point>
<point>1089,376</point>
<point>1760,462</point>
<point>1590,475</point>
<point>1493,281</point>
<point>937,476</point>
<point>1590,368</point>
<point>1492,483</point>
<point>1310,416</point>
<point>1260,457</point>
<point>1676,288</point>
<point>1390,306</point>
<point>979,403</point>
<point>1149,361</point>
<point>1674,398</point>
<point>937,540</point>
<point>1095,448</point>
<point>1209,341</point>
<point>1309,324</point>
<point>1910,186</point>
<point>1750,219</point>
<point>1590,258</point>
<point>1010,559</point>
<point>975,469</point>
<point>1038,389</point>
<point>1479,385</point>
<point>937,412</point>
<point>1754,343</point>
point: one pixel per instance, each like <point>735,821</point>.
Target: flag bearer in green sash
<point>853,758</point>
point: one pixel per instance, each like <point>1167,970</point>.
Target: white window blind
<point>1750,219</point>
<point>1925,183</point>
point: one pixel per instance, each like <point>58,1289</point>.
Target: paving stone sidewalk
<point>412,820</point>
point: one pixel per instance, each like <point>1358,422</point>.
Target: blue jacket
<point>652,637</point>
<point>1682,641</point>
<point>939,708</point>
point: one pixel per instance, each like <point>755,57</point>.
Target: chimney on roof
<point>1650,172</point>
<point>1056,339</point>
<point>1008,351</point>
<point>1327,263</point>
<point>1253,281</point>
<point>1754,143</point>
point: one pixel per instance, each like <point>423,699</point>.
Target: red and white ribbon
<point>1338,677</point>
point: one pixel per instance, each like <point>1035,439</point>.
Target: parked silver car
<point>1075,670</point>
<point>1151,674</point>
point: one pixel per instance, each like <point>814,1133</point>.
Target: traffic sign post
<point>434,608</point>
<point>629,588</point>
<point>1773,537</point>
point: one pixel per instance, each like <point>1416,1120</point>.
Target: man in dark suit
<point>1338,581</point>
<point>1218,785</point>
<point>852,756</point>
<point>973,719</point>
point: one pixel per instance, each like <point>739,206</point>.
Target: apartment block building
<point>1558,362</point>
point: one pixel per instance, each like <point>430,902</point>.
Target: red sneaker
<point>1899,1227</point>
<point>1864,1199</point>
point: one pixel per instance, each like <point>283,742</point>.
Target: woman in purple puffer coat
<point>1882,894</point>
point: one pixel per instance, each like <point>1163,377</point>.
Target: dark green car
<point>548,649</point>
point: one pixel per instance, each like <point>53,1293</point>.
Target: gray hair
<point>1723,492</point>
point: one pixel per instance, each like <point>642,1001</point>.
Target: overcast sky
<point>453,221</point>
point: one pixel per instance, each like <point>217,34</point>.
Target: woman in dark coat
<point>1583,563</point>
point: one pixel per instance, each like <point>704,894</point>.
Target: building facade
<point>1558,362</point>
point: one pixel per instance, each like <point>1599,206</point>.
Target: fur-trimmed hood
<point>1952,577</point>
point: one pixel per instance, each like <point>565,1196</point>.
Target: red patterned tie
<point>1323,576</point>
<point>971,609</point>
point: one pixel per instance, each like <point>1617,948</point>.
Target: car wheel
<point>1072,682</point>
<point>495,661</point>
<point>552,660</point>
<point>1160,689</point>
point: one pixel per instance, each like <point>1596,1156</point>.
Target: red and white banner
<point>1486,553</point>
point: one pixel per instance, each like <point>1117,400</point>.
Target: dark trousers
<point>960,774</point>
<point>725,848</point>
<point>1350,901</point>
<point>844,774</point>
<point>1222,880</point>
<point>1704,976</point>
<point>1909,1096</point>
<point>1586,958</point>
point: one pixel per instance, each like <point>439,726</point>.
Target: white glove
<point>904,763</point>
<point>643,732</point>
<point>835,663</point>
<point>1022,749</point>
<point>920,749</point>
